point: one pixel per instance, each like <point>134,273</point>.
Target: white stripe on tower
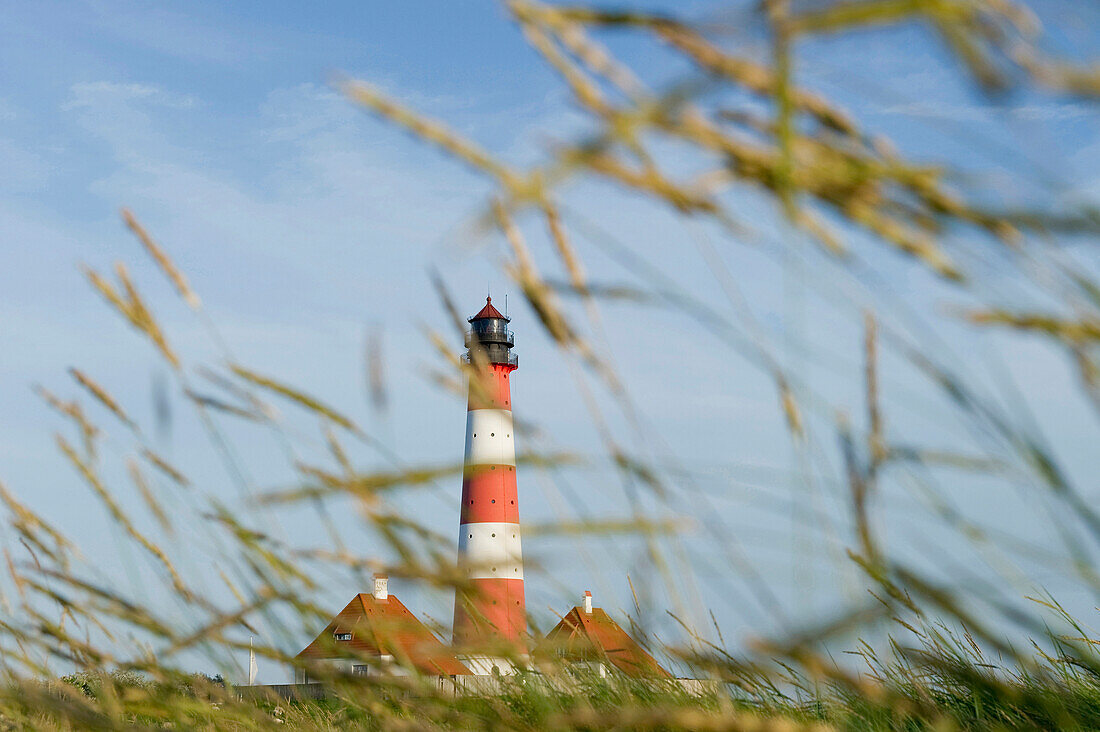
<point>489,437</point>
<point>491,550</point>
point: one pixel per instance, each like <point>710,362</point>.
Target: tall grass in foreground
<point>741,121</point>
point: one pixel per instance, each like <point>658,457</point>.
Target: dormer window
<point>342,636</point>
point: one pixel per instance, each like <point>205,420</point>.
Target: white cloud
<point>23,169</point>
<point>1054,112</point>
<point>986,112</point>
<point>7,110</point>
<point>87,94</point>
<point>302,193</point>
<point>179,34</point>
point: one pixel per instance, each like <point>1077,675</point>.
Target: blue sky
<point>305,224</point>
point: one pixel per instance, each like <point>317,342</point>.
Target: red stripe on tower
<point>491,612</point>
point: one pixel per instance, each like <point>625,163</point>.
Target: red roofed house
<point>377,633</point>
<point>587,635</point>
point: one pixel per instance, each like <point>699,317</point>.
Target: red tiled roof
<point>595,635</point>
<point>488,312</point>
<point>384,627</point>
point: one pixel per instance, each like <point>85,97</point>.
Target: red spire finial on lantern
<point>488,312</point>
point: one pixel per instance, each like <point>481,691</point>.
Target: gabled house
<point>376,633</point>
<point>588,636</point>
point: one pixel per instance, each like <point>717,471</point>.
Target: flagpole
<point>251,663</point>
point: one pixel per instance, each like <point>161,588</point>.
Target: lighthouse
<point>489,612</point>
<point>376,634</point>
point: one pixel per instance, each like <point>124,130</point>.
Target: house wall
<point>367,666</point>
<point>484,665</point>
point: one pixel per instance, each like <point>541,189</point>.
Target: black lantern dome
<point>489,331</point>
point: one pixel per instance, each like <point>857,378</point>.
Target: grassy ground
<point>957,696</point>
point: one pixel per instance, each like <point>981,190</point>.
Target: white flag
<point>251,663</point>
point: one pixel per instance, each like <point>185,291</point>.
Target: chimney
<point>381,587</point>
<point>587,602</point>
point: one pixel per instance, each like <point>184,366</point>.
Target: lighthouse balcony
<point>501,336</point>
<point>496,354</point>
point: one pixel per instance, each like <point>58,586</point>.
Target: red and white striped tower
<point>492,612</point>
